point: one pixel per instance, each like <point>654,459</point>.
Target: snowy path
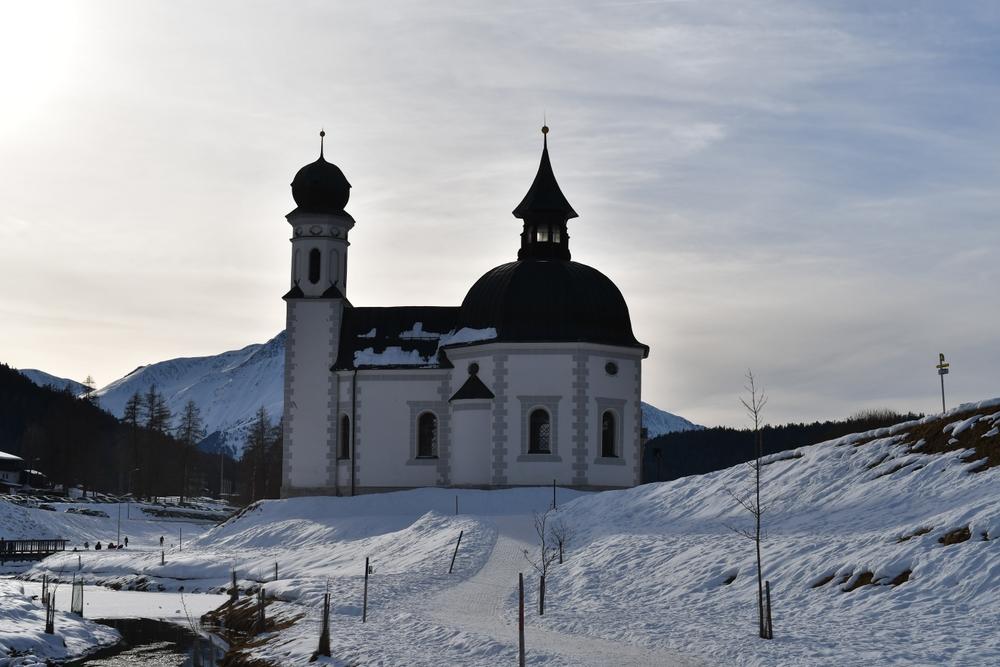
<point>479,605</point>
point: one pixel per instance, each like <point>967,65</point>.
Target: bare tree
<point>545,557</point>
<point>561,534</point>
<point>90,385</point>
<point>750,501</point>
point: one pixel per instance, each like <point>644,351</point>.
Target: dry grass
<point>919,531</point>
<point>956,536</point>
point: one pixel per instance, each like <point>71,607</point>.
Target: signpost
<point>942,371</point>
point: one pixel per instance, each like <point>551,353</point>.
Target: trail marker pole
<point>180,539</point>
<point>234,592</point>
<point>450,567</point>
<point>364,606</point>
<point>163,560</point>
<point>324,636</point>
<point>275,571</point>
<point>520,619</point>
<point>942,371</point>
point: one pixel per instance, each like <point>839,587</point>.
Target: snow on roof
<point>391,356</point>
<point>4,456</point>
<point>468,335</point>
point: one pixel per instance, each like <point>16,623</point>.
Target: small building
<point>11,469</point>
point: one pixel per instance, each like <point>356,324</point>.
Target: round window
<point>611,368</point>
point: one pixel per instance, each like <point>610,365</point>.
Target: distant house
<point>10,472</point>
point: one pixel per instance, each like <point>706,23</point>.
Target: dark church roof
<point>544,197</point>
<point>320,187</point>
<point>397,337</point>
<point>549,300</point>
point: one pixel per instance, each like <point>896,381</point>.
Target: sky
<point>807,190</point>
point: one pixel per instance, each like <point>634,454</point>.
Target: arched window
<point>608,434</point>
<point>345,437</point>
<point>539,432</point>
<point>427,435</point>
<point>314,265</point>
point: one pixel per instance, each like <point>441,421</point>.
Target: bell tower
<point>314,315</point>
<point>545,212</point>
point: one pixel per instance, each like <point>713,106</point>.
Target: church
<point>535,377</point>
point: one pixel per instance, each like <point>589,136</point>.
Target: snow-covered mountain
<point>227,387</point>
<point>43,379</point>
<point>658,422</point>
<point>230,387</point>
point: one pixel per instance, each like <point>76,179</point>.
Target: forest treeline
<point>149,452</point>
<point>674,455</point>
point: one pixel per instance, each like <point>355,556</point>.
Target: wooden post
<point>460,533</point>
<point>180,539</point>
<point>276,571</point>
<point>364,606</point>
<point>79,562</point>
<point>50,619</point>
<point>520,619</point>
<point>767,593</point>
<point>324,636</point>
<point>234,593</point>
<point>541,595</point>
<point>163,560</point>
<point>261,620</point>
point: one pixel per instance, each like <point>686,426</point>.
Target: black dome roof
<point>549,300</point>
<point>320,187</point>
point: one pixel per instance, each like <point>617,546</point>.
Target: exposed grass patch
<point>936,441</point>
<point>900,578</point>
<point>956,536</point>
<point>919,531</point>
<point>860,580</point>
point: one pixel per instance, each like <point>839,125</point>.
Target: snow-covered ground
<point>22,630</point>
<point>882,548</point>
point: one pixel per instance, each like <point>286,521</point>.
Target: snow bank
<point>22,631</point>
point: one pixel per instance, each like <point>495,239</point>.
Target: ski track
<point>479,605</point>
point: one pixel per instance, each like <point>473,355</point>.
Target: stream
<point>155,643</point>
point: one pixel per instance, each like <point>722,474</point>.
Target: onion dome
<point>320,187</point>
<point>549,300</point>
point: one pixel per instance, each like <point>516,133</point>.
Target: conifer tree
<point>190,430</point>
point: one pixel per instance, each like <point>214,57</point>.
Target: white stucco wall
<point>313,326</point>
<point>471,443</point>
<point>388,405</point>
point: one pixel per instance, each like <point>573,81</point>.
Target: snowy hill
<point>230,387</point>
<point>658,422</point>
<point>43,379</point>
<point>227,387</point>
<point>882,548</point>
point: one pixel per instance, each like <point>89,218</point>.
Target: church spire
<point>545,211</point>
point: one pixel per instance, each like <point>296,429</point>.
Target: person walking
<point>161,541</point>
<point>126,540</point>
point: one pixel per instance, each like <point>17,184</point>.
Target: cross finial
<point>322,133</point>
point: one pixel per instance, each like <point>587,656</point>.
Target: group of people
<point>110,545</point>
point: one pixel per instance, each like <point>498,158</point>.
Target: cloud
<point>802,188</point>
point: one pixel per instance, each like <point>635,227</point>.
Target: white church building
<point>535,377</point>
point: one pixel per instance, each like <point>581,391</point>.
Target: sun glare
<point>37,40</point>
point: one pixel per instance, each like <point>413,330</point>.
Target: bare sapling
<point>561,535</point>
<point>750,500</point>
<point>547,554</point>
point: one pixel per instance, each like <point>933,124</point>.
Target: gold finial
<point>322,133</point>
<point>545,129</point>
